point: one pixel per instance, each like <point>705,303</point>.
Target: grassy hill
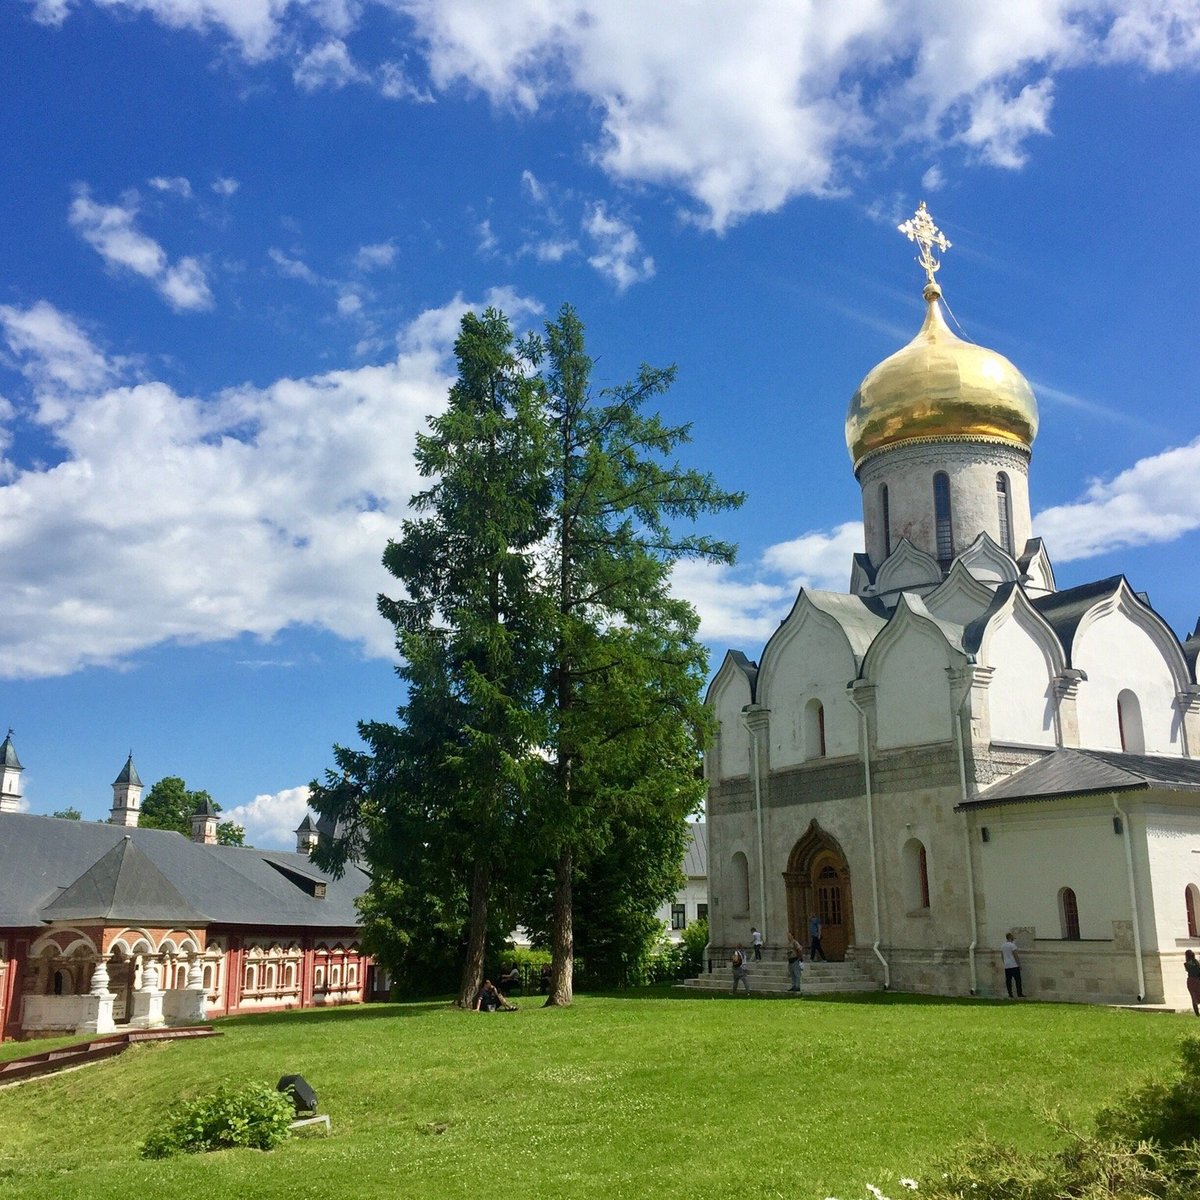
<point>646,1094</point>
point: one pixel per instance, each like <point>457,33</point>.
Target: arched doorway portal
<point>818,881</point>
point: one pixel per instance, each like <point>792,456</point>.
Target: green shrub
<point>695,938</point>
<point>255,1116</point>
<point>1165,1113</point>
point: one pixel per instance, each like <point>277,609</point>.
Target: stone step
<point>775,978</point>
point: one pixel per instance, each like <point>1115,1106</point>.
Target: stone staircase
<point>774,978</point>
<point>79,1054</point>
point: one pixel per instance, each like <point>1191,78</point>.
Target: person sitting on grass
<point>509,980</point>
<point>490,1000</point>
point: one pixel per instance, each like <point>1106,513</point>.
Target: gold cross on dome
<point>920,228</point>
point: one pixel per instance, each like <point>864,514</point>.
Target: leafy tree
<point>627,669</point>
<point>170,805</point>
<point>436,803</point>
<point>68,814</point>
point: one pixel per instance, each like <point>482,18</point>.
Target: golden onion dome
<point>939,388</point>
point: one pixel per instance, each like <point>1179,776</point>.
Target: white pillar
<point>148,999</point>
<point>98,1017</point>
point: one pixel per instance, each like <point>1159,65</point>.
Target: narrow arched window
<point>814,729</point>
<point>1004,511</point>
<point>923,876</point>
<point>1068,911</point>
<point>1189,898</point>
<point>741,884</point>
<point>885,510</point>
<point>1129,723</point>
<point>942,519</point>
<point>916,875</point>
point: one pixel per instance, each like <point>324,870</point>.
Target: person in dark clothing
<point>814,937</point>
<point>490,1000</point>
<point>1192,967</point>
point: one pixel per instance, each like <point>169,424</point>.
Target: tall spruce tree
<point>435,804</point>
<point>626,672</point>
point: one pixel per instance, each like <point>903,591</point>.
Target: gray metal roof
<point>123,885</point>
<point>41,857</point>
<point>8,754</point>
<point>306,826</point>
<point>1069,772</point>
<point>128,773</point>
<point>695,858</point>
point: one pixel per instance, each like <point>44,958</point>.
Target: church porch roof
<point>1070,772</point>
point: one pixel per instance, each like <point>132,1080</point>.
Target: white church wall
<point>913,690</point>
<point>813,664</point>
<point>1020,700</point>
<point>1118,653</point>
<point>1173,859</point>
<point>728,697</point>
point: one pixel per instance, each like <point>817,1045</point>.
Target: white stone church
<point>956,748</point>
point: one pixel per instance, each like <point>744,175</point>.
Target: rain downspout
<point>866,749</point>
<point>1133,904</point>
<point>751,727</point>
<point>962,780</point>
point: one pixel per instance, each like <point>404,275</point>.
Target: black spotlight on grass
<point>303,1097</point>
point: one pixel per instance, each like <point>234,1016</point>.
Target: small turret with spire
<point>204,823</point>
<point>307,836</point>
<point>10,776</point>
<point>127,796</point>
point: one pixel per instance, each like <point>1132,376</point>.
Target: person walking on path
<point>741,969</point>
<point>757,942</point>
<point>1192,967</point>
<point>814,938</point>
<point>1012,966</point>
<point>795,960</point>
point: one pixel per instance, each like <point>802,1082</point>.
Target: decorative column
<point>1066,693</point>
<point>148,999</point>
<point>98,1011</point>
<point>194,997</point>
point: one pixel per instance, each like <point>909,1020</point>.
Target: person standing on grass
<point>757,942</point>
<point>814,938</point>
<point>741,969</point>
<point>1192,967</point>
<point>795,960</point>
<point>1012,966</point>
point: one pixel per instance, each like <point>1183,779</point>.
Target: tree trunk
<point>472,976</point>
<point>562,935</point>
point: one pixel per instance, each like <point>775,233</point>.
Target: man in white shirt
<point>1012,966</point>
<point>757,942</point>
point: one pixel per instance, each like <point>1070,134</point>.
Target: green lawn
<point>648,1094</point>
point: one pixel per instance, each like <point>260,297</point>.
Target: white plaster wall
<point>1020,701</point>
<point>54,1012</point>
<point>972,468</point>
<point>1035,850</point>
<point>727,699</point>
<point>692,894</point>
<point>1116,653</point>
<point>913,696</point>
<point>813,663</point>
<point>1173,854</point>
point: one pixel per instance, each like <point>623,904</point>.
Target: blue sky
<point>239,236</point>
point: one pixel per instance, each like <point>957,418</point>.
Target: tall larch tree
<point>436,803</point>
<point>626,668</point>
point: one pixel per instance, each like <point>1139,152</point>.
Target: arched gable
<point>811,657</point>
<point>908,663</point>
<point>1037,572</point>
<point>1121,644</point>
<point>731,690</point>
<point>988,562</point>
<point>1024,654</point>
<point>907,569</point>
<point>961,598</point>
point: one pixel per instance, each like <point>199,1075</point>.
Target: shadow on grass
<point>667,991</point>
<point>340,1013</point>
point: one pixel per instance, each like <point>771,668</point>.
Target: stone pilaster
<point>975,680</point>
<point>863,696</point>
<point>1066,712</point>
<point>1188,702</point>
<point>99,1014</point>
<point>148,999</point>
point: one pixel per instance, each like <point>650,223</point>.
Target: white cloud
<point>292,268</point>
<point>225,186</point>
<point>618,253</point>
<point>375,257</point>
<point>817,559</point>
<point>349,303</point>
<point>933,180</point>
<point>742,107</point>
<point>1155,500</point>
<point>111,231</point>
<point>271,819</point>
<point>244,512</point>
<point>328,65</point>
<point>176,184</point>
<point>552,250</point>
<point>488,242</point>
